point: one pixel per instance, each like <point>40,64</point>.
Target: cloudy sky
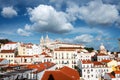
<point>90,22</point>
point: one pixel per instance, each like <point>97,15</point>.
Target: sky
<point>88,22</point>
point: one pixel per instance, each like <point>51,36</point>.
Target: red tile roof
<point>64,73</point>
<point>1,59</point>
<point>44,53</point>
<point>64,49</point>
<point>70,48</point>
<point>48,56</point>
<point>7,51</point>
<point>111,75</point>
<point>24,56</point>
<point>97,63</point>
<point>70,72</point>
<point>11,43</point>
<point>57,75</point>
<point>101,54</point>
<point>40,67</point>
<point>86,62</point>
<point>106,61</point>
<point>117,72</point>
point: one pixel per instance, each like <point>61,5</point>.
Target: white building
<point>10,46</point>
<point>47,42</point>
<point>41,68</point>
<point>115,75</point>
<point>101,56</point>
<point>27,59</point>
<point>65,57</point>
<point>84,56</point>
<point>28,49</point>
<point>45,57</point>
<point>8,54</point>
<point>92,70</point>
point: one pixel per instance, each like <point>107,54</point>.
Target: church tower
<point>42,41</point>
<point>102,49</point>
<point>47,40</point>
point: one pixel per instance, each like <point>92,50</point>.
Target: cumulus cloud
<point>23,32</point>
<point>96,12</point>
<point>8,12</point>
<point>46,19</point>
<point>84,38</point>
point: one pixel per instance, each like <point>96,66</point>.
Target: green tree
<point>90,49</point>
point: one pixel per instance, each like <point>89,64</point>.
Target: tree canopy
<point>90,49</point>
<point>3,41</point>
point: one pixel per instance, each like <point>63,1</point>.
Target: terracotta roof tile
<point>7,51</point>
<point>1,59</point>
<point>24,56</point>
<point>117,72</point>
<point>44,53</point>
<point>64,49</point>
<point>111,75</point>
<point>97,63</point>
<point>11,43</point>
<point>86,62</point>
<point>106,61</point>
<point>40,67</point>
<point>64,73</point>
<point>70,72</point>
<point>101,54</point>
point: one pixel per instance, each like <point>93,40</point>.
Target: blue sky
<point>90,22</point>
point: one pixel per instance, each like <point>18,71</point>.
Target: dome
<point>102,47</point>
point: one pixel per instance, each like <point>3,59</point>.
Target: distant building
<point>115,75</point>
<point>28,49</point>
<point>10,46</point>
<point>41,68</point>
<point>8,54</point>
<point>65,57</point>
<point>93,70</point>
<point>102,49</point>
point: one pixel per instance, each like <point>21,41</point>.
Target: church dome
<point>102,47</point>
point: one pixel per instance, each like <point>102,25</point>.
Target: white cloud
<point>47,19</point>
<point>84,38</point>
<point>27,27</point>
<point>95,12</point>
<point>8,12</point>
<point>23,32</point>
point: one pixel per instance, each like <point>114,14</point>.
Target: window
<point>91,75</point>
<point>67,55</point>
<point>67,62</point>
<point>62,62</point>
<point>56,57</point>
<point>84,75</point>
<point>91,69</point>
<point>25,60</point>
<point>88,71</point>
<point>84,70</point>
<point>88,76</point>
